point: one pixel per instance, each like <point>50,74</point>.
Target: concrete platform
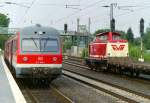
<point>9,90</point>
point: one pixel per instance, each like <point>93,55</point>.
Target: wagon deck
<point>129,64</point>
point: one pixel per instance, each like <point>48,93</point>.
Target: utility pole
<point>78,23</point>
<point>112,20</point>
<point>141,59</point>
<point>111,10</point>
<point>89,26</point>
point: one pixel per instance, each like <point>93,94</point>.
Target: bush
<point>146,57</point>
<point>66,45</point>
<point>84,53</point>
<point>134,51</point>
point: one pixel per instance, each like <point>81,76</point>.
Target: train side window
<point>8,48</point>
<point>14,46</point>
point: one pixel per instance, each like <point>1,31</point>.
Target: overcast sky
<point>53,13</point>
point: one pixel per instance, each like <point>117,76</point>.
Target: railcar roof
<point>106,33</point>
<point>38,28</point>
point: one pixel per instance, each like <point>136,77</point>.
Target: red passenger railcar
<point>35,52</point>
<point>105,46</point>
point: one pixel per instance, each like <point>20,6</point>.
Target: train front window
<point>49,45</point>
<point>40,45</point>
<point>30,44</point>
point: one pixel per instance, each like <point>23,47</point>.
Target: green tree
<point>137,41</point>
<point>130,35</point>
<point>146,38</point>
<point>3,38</point>
<point>67,45</point>
<point>4,20</point>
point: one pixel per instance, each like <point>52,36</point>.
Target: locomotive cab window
<point>116,37</point>
<point>40,45</point>
<point>103,37</point>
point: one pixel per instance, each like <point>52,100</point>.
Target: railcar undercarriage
<point>121,65</point>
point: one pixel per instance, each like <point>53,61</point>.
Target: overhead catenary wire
<point>72,14</point>
<point>129,12</point>
<point>84,8</point>
<point>32,3</point>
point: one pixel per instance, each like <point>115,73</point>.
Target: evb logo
<point>118,48</point>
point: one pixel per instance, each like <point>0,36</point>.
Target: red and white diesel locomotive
<point>35,52</point>
<point>105,46</point>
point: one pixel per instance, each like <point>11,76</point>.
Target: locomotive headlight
<point>25,59</point>
<point>54,59</point>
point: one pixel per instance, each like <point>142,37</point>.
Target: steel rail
<point>50,91</point>
<point>31,96</point>
<point>55,92</point>
<point>60,95</point>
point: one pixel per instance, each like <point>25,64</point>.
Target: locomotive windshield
<point>40,45</point>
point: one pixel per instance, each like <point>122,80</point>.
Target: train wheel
<point>120,71</point>
<point>47,82</point>
<point>131,73</point>
<point>137,74</point>
<point>34,81</point>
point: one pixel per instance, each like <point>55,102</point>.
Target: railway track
<point>73,58</point>
<point>115,90</point>
<point>127,76</point>
<point>42,94</point>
